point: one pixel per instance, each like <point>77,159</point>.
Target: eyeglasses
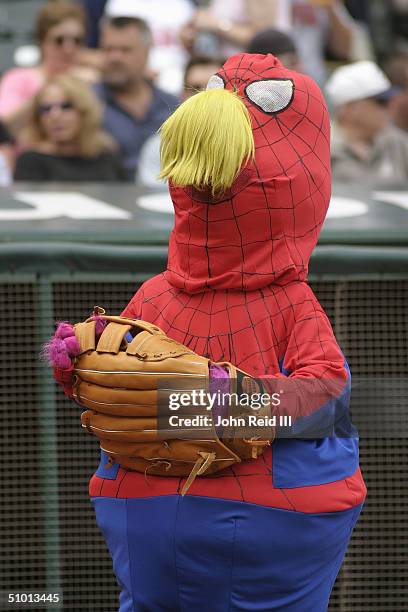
<point>60,40</point>
<point>44,109</point>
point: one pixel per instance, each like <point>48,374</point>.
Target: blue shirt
<point>129,131</point>
<point>94,10</point>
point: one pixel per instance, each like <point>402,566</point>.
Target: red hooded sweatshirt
<point>236,290</point>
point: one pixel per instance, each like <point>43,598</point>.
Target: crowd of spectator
<point>112,71</point>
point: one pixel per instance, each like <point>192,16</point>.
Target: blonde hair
<point>91,139</point>
<point>206,141</point>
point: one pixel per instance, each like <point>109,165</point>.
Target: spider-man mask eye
<point>271,95</point>
<point>215,82</point>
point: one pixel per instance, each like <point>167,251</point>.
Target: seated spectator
<point>134,107</point>
<point>196,76</point>
<point>60,31</point>
<point>64,138</point>
<point>279,44</point>
<point>167,57</point>
<point>366,146</point>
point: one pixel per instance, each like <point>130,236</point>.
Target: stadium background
<point>57,267</point>
<point>60,268</point>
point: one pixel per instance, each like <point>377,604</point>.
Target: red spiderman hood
<point>265,227</point>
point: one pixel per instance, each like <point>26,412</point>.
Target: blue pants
<point>179,554</point>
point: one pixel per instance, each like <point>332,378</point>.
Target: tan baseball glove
<point>124,371</point>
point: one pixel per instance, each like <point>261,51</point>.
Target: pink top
<point>17,86</point>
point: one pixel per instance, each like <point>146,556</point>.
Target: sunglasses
<point>380,101</point>
<point>59,41</point>
<point>44,109</point>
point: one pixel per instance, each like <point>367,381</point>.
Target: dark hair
<point>201,60</point>
<point>120,23</point>
<point>54,13</point>
<point>271,41</point>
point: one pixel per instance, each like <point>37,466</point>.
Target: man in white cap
<point>365,145</point>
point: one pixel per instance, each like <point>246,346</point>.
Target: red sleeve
<point>314,363</point>
<point>314,373</point>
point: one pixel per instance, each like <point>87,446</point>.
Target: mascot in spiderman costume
<point>248,165</point>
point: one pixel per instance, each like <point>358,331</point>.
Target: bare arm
<point>260,15</point>
<point>238,33</point>
<point>342,29</point>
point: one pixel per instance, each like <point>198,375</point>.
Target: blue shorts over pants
<point>179,554</point>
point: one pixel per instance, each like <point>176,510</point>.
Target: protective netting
<point>84,557</point>
<point>22,526</point>
<point>49,537</point>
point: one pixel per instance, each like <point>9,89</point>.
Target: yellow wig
<point>206,141</point>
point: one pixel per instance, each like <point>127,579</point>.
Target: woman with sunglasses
<point>60,32</point>
<point>64,140</point>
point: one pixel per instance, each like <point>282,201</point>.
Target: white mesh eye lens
<point>271,96</point>
<point>215,82</point>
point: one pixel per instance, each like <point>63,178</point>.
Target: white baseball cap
<point>356,82</point>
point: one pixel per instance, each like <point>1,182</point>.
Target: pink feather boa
<point>62,348</point>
